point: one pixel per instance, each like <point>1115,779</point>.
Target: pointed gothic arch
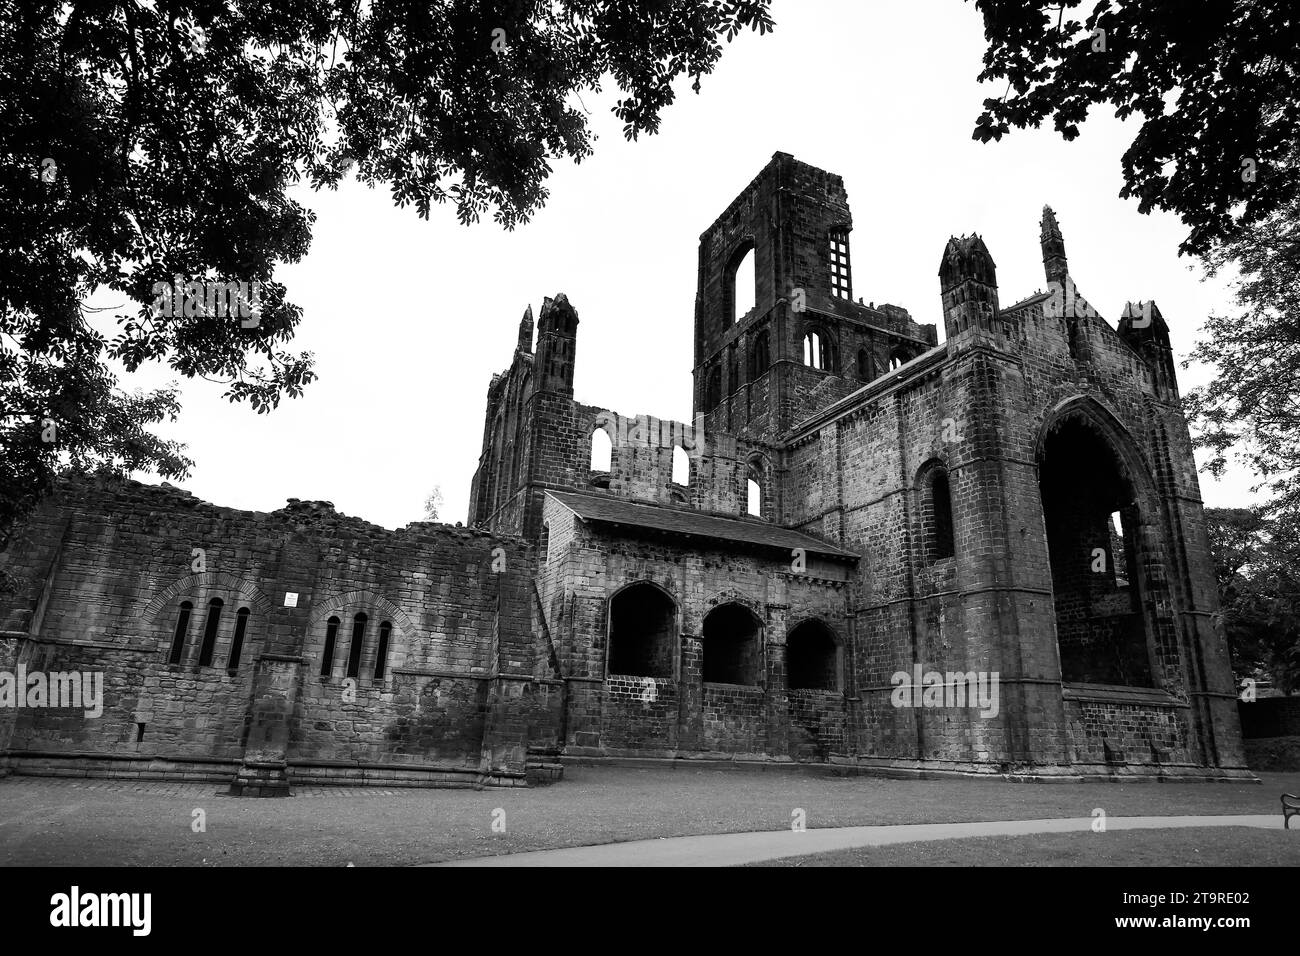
<point>1089,470</point>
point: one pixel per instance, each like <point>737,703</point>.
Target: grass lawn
<point>1226,846</point>
<point>124,823</point>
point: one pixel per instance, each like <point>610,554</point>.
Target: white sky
<point>409,319</point>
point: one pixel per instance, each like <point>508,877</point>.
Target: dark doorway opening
<point>1091,519</point>
<point>732,639</point>
<point>642,632</point>
<point>811,660</point>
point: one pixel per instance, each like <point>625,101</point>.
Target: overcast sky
<point>409,319</point>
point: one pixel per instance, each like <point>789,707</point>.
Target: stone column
<point>690,695</point>
<point>504,755</point>
<point>264,771</point>
<point>775,697</point>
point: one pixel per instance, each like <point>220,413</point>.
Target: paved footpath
<point>734,849</point>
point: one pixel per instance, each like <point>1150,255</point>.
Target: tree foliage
<point>149,142</point>
<point>1214,83</point>
<point>1253,404</point>
<point>433,504</point>
<point>1257,568</point>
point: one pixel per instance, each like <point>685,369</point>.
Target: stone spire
<point>526,331</point>
<point>1054,263</point>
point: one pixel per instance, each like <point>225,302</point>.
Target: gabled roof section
<point>621,512</point>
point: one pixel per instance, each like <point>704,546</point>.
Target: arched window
<point>865,371</point>
<point>331,637</point>
<point>182,632</point>
<point>358,642</point>
<point>812,350</point>
<point>760,355</point>
<point>712,386</point>
<point>602,450</point>
<point>731,641</point>
<point>237,643</point>
<point>681,466</point>
<point>740,283</point>
<point>210,633</point>
<point>755,486</point>
<point>381,653</point>
<point>642,632</point>
<point>811,658</point>
<point>897,358</point>
<point>936,515</point>
<point>819,351</point>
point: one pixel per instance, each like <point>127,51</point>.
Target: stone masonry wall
<point>108,566</point>
<point>630,715</point>
<point>980,412</point>
<point>786,216</point>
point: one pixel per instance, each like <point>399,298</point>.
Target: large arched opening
<point>812,657</point>
<point>642,632</point>
<point>1092,516</point>
<point>732,641</point>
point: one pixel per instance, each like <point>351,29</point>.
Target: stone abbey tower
<point>868,549</point>
<point>855,501</point>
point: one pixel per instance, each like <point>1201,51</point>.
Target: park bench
<point>1290,808</point>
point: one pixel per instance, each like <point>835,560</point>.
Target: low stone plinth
<point>261,779</point>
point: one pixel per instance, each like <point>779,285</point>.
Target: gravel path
<point>90,822</point>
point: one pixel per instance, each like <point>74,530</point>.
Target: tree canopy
<point>1252,407</point>
<point>1214,83</point>
<point>147,145</point>
<point>1257,568</point>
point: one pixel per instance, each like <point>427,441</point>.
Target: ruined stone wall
<point>819,725</point>
<point>1174,570</point>
<point>639,714</point>
<point>853,452</point>
<point>560,456</point>
<point>628,714</point>
<point>786,216</point>
<point>981,413</point>
<point>733,719</point>
<point>1104,729</point>
<point>502,473</point>
<point>856,479</point>
<point>107,566</point>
